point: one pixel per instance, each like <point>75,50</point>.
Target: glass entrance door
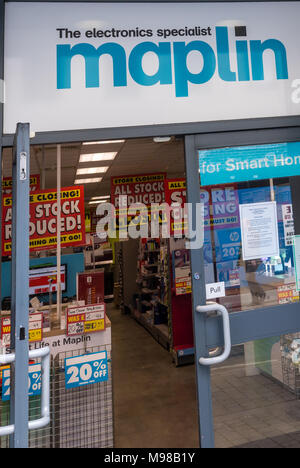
<point>246,283</point>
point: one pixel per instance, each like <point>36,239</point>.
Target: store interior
<point>147,295</point>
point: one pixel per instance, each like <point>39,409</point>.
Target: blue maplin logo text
<point>172,62</point>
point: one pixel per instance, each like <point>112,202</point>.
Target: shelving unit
<point>151,309</point>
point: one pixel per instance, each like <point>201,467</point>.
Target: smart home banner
<point>237,164</point>
<point>97,65</point>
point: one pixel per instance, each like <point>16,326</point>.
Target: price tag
<point>35,329</point>
<point>85,319</point>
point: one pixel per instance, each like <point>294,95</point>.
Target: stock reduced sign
<point>85,370</point>
<point>43,219</point>
<point>175,194</point>
<point>133,195</point>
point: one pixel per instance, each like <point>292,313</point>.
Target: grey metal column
<point>199,298</point>
<point>20,288</point>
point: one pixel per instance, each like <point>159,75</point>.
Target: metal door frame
<point>247,325</point>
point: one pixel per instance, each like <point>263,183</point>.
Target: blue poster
<point>86,370</point>
<point>246,163</point>
<point>34,381</point>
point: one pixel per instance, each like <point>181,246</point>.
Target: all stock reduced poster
<point>141,188</point>
<point>43,219</point>
<point>175,190</point>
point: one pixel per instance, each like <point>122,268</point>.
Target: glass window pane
<point>256,395</point>
<point>267,276</point>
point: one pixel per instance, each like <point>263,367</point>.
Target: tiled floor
<point>252,409</point>
<point>155,402</point>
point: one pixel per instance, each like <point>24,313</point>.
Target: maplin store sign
<point>85,65</point>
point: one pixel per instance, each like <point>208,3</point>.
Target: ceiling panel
<point>135,156</point>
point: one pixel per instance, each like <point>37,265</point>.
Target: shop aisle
<point>154,402</point>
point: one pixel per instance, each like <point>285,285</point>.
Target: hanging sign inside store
<point>86,370</point>
<point>175,197</point>
<point>43,219</point>
<point>35,329</point>
<point>86,319</point>
<point>129,192</point>
<point>244,163</point>
<point>34,184</point>
<point>148,64</point>
<point>34,381</point>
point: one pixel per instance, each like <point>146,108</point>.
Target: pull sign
<point>215,290</point>
<point>23,165</point>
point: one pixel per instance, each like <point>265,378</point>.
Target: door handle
<point>222,311</point>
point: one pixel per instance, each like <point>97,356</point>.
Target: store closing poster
<point>43,219</point>
<point>175,195</point>
<point>34,184</point>
<point>222,226</point>
<point>127,192</point>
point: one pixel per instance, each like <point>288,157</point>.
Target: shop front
<point>194,106</point>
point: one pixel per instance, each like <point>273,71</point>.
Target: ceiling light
<point>97,157</point>
<point>165,139</point>
<point>102,197</point>
<point>91,170</point>
<point>88,181</point>
<point>97,201</point>
<point>106,142</point>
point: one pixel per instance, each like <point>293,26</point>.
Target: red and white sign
<point>287,293</point>
<point>175,194</point>
<point>86,319</point>
<point>34,184</point>
<point>129,192</point>
<point>5,331</point>
<point>43,219</point>
<point>35,329</point>
<point>143,188</point>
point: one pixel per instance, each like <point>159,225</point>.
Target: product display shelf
<point>149,306</point>
<point>120,288</point>
<point>165,290</point>
<point>159,332</point>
